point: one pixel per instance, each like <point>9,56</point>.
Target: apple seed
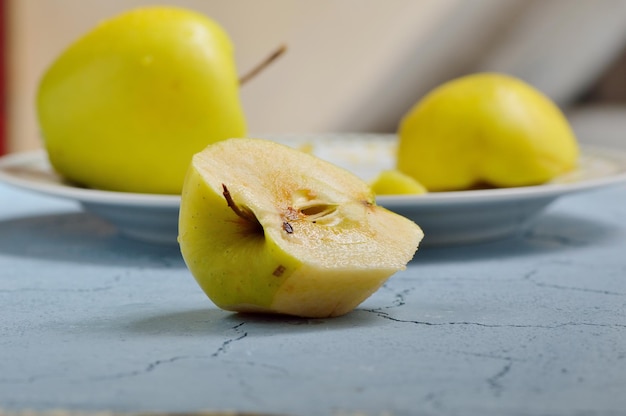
<point>287,227</point>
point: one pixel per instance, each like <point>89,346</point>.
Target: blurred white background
<point>359,65</point>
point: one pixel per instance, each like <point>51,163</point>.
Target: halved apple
<point>267,228</point>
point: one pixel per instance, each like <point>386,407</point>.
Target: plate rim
<point>76,193</point>
<point>545,190</point>
<point>87,195</point>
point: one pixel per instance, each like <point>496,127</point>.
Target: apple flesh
<point>267,228</point>
<point>126,106</point>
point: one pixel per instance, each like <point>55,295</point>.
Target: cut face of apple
<point>267,228</point>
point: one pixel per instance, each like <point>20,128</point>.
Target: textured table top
<point>532,325</point>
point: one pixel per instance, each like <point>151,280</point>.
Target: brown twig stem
<point>262,65</point>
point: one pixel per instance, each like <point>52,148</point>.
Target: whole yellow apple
<point>485,129</point>
<point>126,106</point>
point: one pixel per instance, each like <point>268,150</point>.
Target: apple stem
<point>242,213</point>
<point>262,65</point>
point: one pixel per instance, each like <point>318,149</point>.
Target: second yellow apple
<point>485,129</point>
<point>126,106</point>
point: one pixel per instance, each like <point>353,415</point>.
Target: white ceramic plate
<point>446,217</point>
<point>144,217</point>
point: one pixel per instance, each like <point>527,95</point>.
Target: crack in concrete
<point>38,289</point>
<point>494,381</point>
<point>385,315</point>
<point>149,368</point>
<point>529,277</point>
<point>489,356</point>
<point>399,298</point>
<point>226,344</point>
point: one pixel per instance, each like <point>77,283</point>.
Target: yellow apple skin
<point>126,106</point>
<point>318,246</point>
<point>488,129</point>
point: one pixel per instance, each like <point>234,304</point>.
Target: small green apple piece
<point>126,106</point>
<point>394,182</point>
<point>267,228</point>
